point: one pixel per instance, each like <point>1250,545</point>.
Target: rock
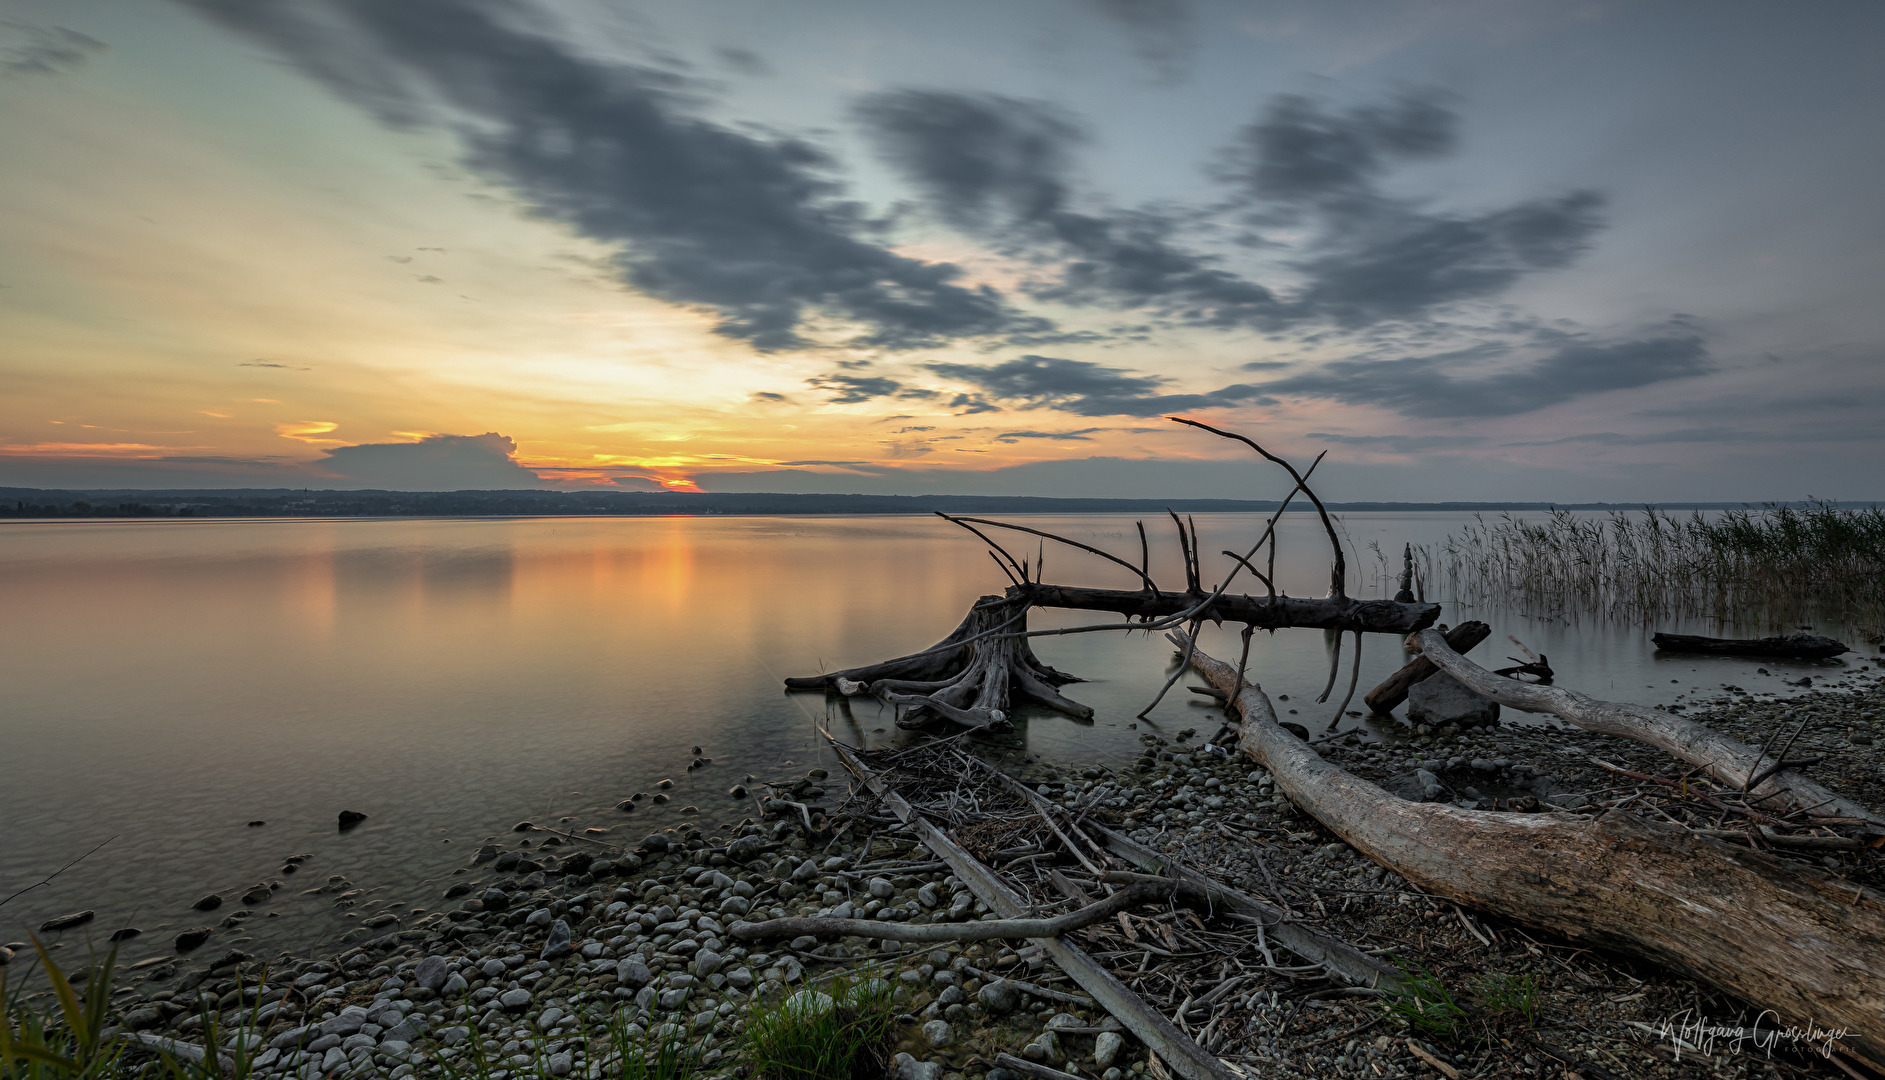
<point>229,959</point>
<point>558,943</point>
<point>1045,1049</point>
<point>257,894</point>
<point>707,962</point>
<point>1431,789</point>
<point>928,896</point>
<point>208,903</point>
<point>1000,997</point>
<point>740,978</point>
<point>193,938</point>
<point>454,987</point>
<point>805,872</point>
<point>539,917</point>
<point>345,1023</point>
<point>905,1067</point>
<point>452,1036</point>
<point>938,1034</point>
<point>495,900</point>
<point>514,1000</point>
<point>1106,1049</point>
<point>633,974</point>
<point>1060,1021</point>
<point>432,972</point>
<point>67,922</point>
<point>881,888</point>
<point>808,1003</point>
<point>125,933</point>
<point>656,842</point>
<point>1442,699</point>
<point>745,848</point>
<point>561,1063</point>
<point>350,818</point>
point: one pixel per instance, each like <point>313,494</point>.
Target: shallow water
<point>163,684</point>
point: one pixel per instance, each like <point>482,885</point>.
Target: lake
<point>165,683</point>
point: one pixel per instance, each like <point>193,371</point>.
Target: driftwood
<point>1393,689</point>
<point>1183,1055</point>
<point>1806,944</point>
<point>971,676</point>
<point>989,930</point>
<point>1792,646</point>
<point>1728,760</point>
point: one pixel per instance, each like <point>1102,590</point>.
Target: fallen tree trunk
<point>1727,760</point>
<point>1393,690</point>
<point>1342,613</point>
<point>1804,943</point>
<point>1793,646</point>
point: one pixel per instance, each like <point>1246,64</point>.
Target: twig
<point>57,872</point>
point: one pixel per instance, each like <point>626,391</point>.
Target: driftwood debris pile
<point>1685,875</point>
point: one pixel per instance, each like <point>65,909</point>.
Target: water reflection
<point>168,682</point>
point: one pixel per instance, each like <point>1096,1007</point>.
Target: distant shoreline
<point>40,503</point>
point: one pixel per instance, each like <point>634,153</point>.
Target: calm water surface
<point>166,683</point>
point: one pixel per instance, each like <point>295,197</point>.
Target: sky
<point>1469,249</point>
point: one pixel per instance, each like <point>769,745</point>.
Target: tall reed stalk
<point>1775,566</point>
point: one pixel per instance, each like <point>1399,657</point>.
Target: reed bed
<point>1774,566</point>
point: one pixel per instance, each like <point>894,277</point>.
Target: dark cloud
<point>852,389</point>
<point>1612,438</point>
<point>970,404</point>
<point>1001,168</point>
<point>1429,386</point>
<point>28,49</point>
<point>1268,365</point>
<point>435,463</point>
<point>1299,153</point>
<point>1162,31</point>
<point>750,226</point>
<point>1088,389</point>
<point>269,364</point>
<point>1376,258</point>
<point>767,395</point>
<point>1399,444</point>
<point>1403,264</point>
<point>1082,435</point>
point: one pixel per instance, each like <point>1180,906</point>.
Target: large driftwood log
<point>1726,759</point>
<point>1393,690</point>
<point>1341,613</point>
<point>1804,943</point>
<point>1792,646</point>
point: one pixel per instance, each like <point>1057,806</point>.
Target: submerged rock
<point>1442,699</point>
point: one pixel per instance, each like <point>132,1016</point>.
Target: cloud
<point>1000,167</point>
<point>1376,258</point>
<point>748,225</point>
<point>1423,386</point>
<point>768,395</point>
<point>853,389</point>
<point>308,431</point>
<point>1268,365</point>
<point>1299,153</point>
<point>1399,444</point>
<point>28,49</point>
<point>435,463</point>
<point>1162,31</point>
<point>1082,435</point>
<point>1612,438</point>
<point>1088,389</point>
<point>744,61</point>
<point>269,364</point>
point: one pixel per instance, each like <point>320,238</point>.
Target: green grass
<point>1775,566</point>
<point>1425,1005</point>
<point>838,1031</point>
<point>1509,996</point>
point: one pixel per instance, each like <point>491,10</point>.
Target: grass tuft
<point>1425,1005</point>
<point>837,1031</point>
